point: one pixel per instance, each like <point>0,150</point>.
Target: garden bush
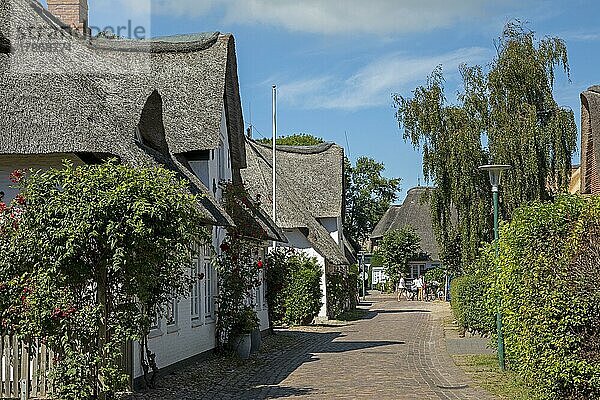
<point>303,294</point>
<point>472,300</point>
<point>88,256</point>
<point>277,277</point>
<point>550,286</point>
<point>293,287</point>
<point>342,292</point>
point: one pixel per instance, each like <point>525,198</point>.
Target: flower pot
<point>242,344</point>
<point>256,340</point>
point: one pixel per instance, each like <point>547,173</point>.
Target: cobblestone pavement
<point>397,351</point>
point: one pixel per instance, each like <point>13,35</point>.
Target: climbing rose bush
<point>88,256</point>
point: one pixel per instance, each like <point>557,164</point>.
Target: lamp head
<point>495,171</point>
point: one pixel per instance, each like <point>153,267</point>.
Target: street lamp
<point>495,172</point>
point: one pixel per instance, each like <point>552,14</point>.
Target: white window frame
<point>196,289</point>
<point>173,315</point>
<point>156,327</point>
<point>208,298</point>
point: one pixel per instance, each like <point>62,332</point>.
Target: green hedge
<point>342,293</point>
<point>303,293</point>
<point>293,288</point>
<point>549,285</point>
<point>471,298</point>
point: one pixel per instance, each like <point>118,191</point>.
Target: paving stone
<point>397,352</point>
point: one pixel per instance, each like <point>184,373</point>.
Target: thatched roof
<point>295,207</point>
<point>414,212</point>
<point>317,176</point>
<point>91,98</point>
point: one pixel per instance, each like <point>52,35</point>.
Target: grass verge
<point>484,370</point>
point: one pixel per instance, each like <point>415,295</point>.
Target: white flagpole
<point>274,157</point>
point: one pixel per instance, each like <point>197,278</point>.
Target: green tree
<point>397,248</point>
<point>89,255</point>
<point>368,196</point>
<point>506,115</point>
<point>298,139</point>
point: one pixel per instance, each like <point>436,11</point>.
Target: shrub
<point>549,281</point>
<point>303,293</point>
<point>293,287</point>
<point>88,255</point>
<point>436,274</point>
<point>472,300</point>
<point>342,291</point>
<point>277,277</point>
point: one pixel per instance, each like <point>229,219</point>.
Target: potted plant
<point>241,332</point>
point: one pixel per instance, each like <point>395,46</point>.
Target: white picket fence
<point>24,369</point>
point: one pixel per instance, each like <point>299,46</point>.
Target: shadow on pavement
<point>400,311</point>
<point>263,375</point>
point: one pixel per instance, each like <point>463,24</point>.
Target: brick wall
<point>74,13</point>
<point>590,182</point>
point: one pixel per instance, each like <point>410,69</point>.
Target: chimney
<point>74,13</point>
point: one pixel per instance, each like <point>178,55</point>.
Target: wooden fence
<point>24,368</point>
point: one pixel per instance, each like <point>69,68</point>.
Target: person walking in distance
<point>402,288</point>
<point>419,285</point>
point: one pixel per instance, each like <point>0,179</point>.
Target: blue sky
<point>336,62</point>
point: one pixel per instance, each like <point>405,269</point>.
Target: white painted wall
<point>189,338</point>
<point>9,163</point>
<point>333,226</point>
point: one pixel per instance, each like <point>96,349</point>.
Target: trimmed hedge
<point>293,287</point>
<point>342,293</point>
<point>471,298</point>
<point>549,285</point>
<point>303,293</point>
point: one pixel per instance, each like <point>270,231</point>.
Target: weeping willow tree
<point>505,114</point>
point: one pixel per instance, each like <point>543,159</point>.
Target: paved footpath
<point>397,352</point>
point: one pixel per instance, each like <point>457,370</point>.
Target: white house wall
<point>35,162</point>
<point>185,340</point>
<point>189,340</point>
<point>334,227</point>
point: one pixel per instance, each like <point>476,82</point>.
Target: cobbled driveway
<point>397,351</point>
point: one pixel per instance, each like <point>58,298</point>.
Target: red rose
<point>2,207</point>
<point>16,176</point>
<point>20,199</point>
<point>56,313</point>
<point>259,263</point>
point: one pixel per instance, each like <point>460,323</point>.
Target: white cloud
<point>372,85</point>
<point>190,8</point>
<point>335,16</point>
<point>581,36</point>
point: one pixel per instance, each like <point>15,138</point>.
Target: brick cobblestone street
<point>398,351</point>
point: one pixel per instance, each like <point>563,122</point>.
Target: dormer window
<point>150,130</point>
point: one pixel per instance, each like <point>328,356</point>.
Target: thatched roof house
<point>309,190</point>
<point>144,102</point>
<point>414,212</point>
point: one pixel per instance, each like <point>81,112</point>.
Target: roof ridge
<point>311,149</point>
